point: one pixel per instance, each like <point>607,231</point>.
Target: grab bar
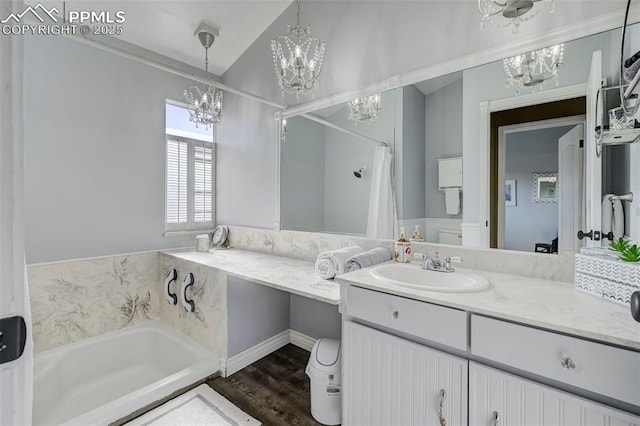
<point>171,297</point>
<point>187,304</point>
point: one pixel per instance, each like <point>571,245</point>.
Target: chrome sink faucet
<point>435,264</point>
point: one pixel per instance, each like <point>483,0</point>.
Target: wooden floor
<point>273,390</point>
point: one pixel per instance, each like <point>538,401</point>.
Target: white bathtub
<point>105,378</point>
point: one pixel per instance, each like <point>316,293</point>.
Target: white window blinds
<point>189,190</point>
<point>203,184</point>
<point>177,181</point>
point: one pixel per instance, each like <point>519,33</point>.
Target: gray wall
<point>246,164</point>
<point>313,318</point>
<point>94,152</point>
<point>255,313</point>
<point>302,176</point>
<point>443,132</point>
<point>346,198</point>
<point>413,149</point>
<point>529,152</point>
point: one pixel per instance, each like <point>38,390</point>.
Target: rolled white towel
<point>368,258</point>
<point>333,262</point>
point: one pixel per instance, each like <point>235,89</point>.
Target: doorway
<point>535,113</point>
<point>534,160</point>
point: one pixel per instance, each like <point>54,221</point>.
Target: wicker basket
<point>607,277</point>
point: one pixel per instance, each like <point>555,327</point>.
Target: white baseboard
<point>301,340</point>
<point>262,349</point>
<point>254,353</point>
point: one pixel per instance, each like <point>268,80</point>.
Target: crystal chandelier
<point>512,10</point>
<point>204,102</point>
<point>534,68</point>
<point>365,109</point>
<point>297,58</point>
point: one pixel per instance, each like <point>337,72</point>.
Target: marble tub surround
<point>75,300</point>
<point>307,246</point>
<point>283,273</point>
<point>552,305</point>
<point>207,324</point>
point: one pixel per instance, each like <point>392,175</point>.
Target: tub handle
<point>171,297</point>
<point>188,305</point>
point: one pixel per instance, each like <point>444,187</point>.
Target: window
<point>190,156</point>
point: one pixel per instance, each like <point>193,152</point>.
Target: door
<point>593,163</point>
<point>391,381</point>
<point>570,204</point>
<point>497,398</point>
<point>16,362</point>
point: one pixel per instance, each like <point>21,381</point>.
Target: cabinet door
<point>497,398</point>
<point>391,381</point>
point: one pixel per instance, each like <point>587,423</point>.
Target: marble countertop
<point>551,305</point>
<point>290,275</point>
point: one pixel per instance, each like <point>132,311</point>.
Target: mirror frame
<point>538,180</point>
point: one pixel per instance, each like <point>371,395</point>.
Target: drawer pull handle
<point>443,395</point>
<point>567,363</point>
<point>495,418</point>
<point>395,314</point>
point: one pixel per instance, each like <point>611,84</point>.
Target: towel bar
<point>623,197</point>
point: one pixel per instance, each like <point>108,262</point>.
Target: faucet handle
<point>453,259</point>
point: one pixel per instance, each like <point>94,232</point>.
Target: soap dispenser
<point>403,248</point>
<point>417,236</point>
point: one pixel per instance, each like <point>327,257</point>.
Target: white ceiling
<point>166,27</point>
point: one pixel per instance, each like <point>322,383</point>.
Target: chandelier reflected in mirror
<point>365,109</point>
<point>534,68</point>
<point>204,102</point>
<point>297,58</point>
<point>513,12</point>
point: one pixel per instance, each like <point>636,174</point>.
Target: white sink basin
<point>412,276</point>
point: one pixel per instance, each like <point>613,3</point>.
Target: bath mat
<point>200,406</point>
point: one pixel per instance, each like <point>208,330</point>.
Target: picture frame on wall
<point>510,193</point>
<point>545,187</point>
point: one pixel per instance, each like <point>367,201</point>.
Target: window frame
<point>192,140</point>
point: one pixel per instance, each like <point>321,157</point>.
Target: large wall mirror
<point>329,162</point>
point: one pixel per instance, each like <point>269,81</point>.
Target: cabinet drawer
<point>596,367</point>
<point>421,319</point>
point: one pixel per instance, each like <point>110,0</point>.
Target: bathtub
<point>105,378</point>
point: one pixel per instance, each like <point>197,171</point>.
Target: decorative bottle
<point>403,248</point>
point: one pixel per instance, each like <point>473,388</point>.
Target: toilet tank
<point>450,236</point>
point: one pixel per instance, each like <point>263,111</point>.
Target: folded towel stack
<point>368,258</point>
<point>331,263</point>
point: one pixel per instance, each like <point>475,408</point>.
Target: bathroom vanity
<point>523,351</point>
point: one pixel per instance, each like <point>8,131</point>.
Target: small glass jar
<point>202,242</point>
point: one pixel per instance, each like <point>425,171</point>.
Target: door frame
<point>487,108</point>
<point>503,132</point>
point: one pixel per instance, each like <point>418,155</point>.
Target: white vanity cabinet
<point>389,380</point>
<point>497,372</point>
<point>392,381</point>
<point>497,398</point>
